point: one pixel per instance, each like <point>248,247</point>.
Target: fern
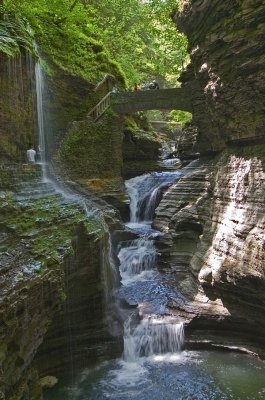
<point>14,35</point>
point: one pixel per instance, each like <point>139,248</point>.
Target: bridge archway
<point>162,99</point>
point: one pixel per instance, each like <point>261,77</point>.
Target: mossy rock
<point>93,150</point>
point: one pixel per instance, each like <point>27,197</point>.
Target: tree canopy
<point>135,39</point>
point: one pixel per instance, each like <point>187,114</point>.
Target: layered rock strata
<point>213,245</point>
<point>49,245</point>
<point>226,76</point>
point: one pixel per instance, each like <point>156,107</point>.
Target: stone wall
<point>91,152</point>
<point>162,99</point>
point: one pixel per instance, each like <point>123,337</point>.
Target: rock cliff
<point>213,218</point>
<point>49,246</point>
<point>225,78</point>
<point>213,244</point>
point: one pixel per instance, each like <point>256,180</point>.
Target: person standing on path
<point>31,154</point>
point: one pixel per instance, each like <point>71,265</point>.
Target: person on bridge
<point>137,87</point>
<point>114,90</point>
<point>154,85</point>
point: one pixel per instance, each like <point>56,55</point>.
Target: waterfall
<point>139,255</point>
<point>144,192</point>
<point>40,116</point>
<point>153,336</point>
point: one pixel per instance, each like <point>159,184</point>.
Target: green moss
<point>93,150</point>
<point>47,224</point>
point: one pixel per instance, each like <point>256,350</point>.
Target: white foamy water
<point>170,161</point>
<point>152,336</point>
<point>144,192</point>
<point>139,255</point>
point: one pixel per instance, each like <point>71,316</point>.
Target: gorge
<point>128,272</point>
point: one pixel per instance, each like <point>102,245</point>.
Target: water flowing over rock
<point>152,336</point>
<point>145,192</point>
<point>139,255</point>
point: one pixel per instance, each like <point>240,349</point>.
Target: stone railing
<point>100,108</point>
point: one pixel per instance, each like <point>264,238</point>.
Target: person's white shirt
<point>31,154</point>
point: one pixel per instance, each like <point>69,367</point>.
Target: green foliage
<point>66,34</point>
<point>181,117</point>
<point>92,38</point>
<point>143,38</point>
<point>14,34</point>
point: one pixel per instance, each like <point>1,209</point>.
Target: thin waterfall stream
<point>41,124</point>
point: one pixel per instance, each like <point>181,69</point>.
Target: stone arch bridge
<point>131,102</point>
<point>161,99</point>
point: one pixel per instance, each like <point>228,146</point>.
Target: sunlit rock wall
<point>226,78</point>
<point>213,223</point>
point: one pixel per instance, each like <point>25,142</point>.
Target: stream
<point>153,364</point>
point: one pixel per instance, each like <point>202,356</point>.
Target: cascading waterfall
<point>139,255</point>
<point>144,192</point>
<point>40,115</point>
<point>152,336</point>
<point>109,276</point>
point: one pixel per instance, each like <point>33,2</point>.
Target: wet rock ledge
<point>48,246</point>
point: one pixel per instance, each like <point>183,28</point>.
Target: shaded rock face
<point>17,107</point>
<point>226,76</point>
<point>92,150</point>
<point>67,98</point>
<point>214,246</point>
<point>186,142</point>
<point>52,253</point>
<point>140,153</point>
<point>79,334</point>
